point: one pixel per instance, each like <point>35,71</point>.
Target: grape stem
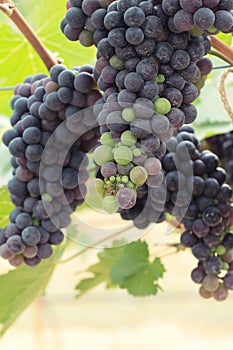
<point>10,9</point>
<point>224,51</point>
<point>221,56</point>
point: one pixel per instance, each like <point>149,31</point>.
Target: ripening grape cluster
<point>206,217</point>
<point>194,191</point>
<point>222,146</point>
<point>48,142</point>
<point>150,73</point>
<point>133,110</point>
<point>150,66</point>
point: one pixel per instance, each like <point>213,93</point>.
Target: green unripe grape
<point>107,140</point>
<point>95,193</point>
<point>109,204</point>
<point>220,249</point>
<point>138,175</point>
<point>112,179</point>
<point>128,114</point>
<point>160,79</point>
<point>102,155</point>
<point>118,178</point>
<point>137,152</point>
<point>225,266</point>
<point>128,139</point>
<point>130,185</point>
<point>212,29</point>
<point>108,183</point>
<point>120,186</point>
<point>123,155</point>
<point>194,31</point>
<point>125,179</point>
<point>162,105</point>
<point>116,62</point>
<point>46,197</point>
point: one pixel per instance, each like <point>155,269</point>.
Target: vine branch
<point>10,9</point>
<point>223,49</point>
<point>103,240</point>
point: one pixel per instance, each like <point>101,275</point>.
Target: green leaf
<point>142,283</point>
<point>100,271</point>
<point>6,207</point>
<point>128,267</point>
<point>107,259</point>
<point>134,259</point>
<point>85,285</point>
<point>18,59</point>
<point>21,286</point>
<point>134,271</point>
<point>226,38</point>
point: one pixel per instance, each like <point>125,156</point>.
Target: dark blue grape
<point>15,244</point>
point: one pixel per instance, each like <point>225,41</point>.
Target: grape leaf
<point>134,271</point>
<point>142,283</point>
<point>128,267</point>
<point>226,38</point>
<point>134,259</point>
<point>21,286</point>
<point>100,271</point>
<point>6,207</point>
<point>88,283</point>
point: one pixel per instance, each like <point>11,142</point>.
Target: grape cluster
<point>194,191</point>
<point>204,15</point>
<point>150,75</point>
<point>83,18</point>
<point>206,217</point>
<point>222,146</point>
<point>50,136</point>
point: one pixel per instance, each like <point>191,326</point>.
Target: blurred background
<point>177,317</point>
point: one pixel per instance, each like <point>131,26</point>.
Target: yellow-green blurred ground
<point>112,320</point>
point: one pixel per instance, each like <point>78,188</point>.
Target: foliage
<point>21,286</point>
<point>6,206</point>
<point>128,267</point>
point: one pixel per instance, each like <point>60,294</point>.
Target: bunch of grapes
<point>194,191</point>
<point>222,146</point>
<point>203,205</point>
<point>150,75</point>
<point>205,15</point>
<point>50,136</point>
